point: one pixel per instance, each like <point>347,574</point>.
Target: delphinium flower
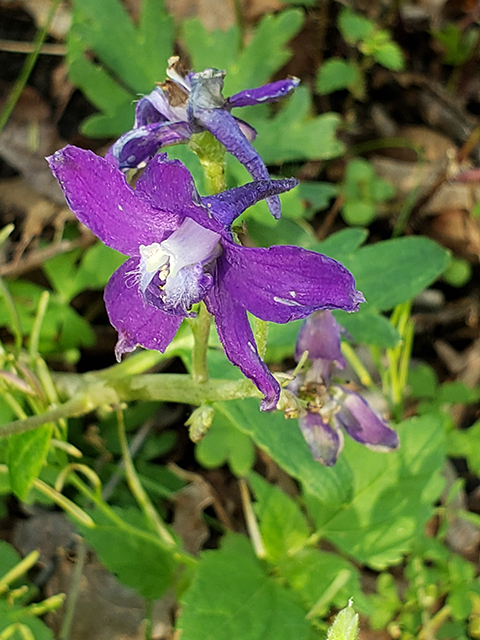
<point>192,103</point>
<point>182,251</point>
<point>331,407</point>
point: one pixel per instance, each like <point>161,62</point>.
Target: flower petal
<point>267,93</point>
<point>320,336</point>
<point>168,185</point>
<point>138,146</point>
<point>224,127</point>
<point>156,107</point>
<point>237,338</point>
<point>284,283</point>
<point>137,322</point>
<point>100,197</point>
<point>228,205</point>
<point>364,425</point>
<point>324,441</point>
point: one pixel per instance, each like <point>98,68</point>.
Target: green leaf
<point>342,244</point>
<point>359,212</point>
<point>422,381</point>
<point>279,438</point>
<point>224,444</point>
<point>345,625</point>
<point>304,137</point>
<point>232,596</point>
<point>336,74</point>
<point>272,507</point>
<point>10,614</point>
<point>136,559</point>
<point>389,55</point>
<point>393,271</point>
<point>313,574</point>
<point>223,49</point>
<point>367,327</point>
<point>26,455</point>
<point>133,58</point>
<point>393,495</point>
<point>466,444</point>
<point>354,27</point>
<point>317,194</point>
<point>9,558</point>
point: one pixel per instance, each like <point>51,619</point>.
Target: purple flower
<point>331,407</point>
<point>182,106</point>
<point>182,251</point>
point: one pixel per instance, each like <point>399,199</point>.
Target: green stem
<point>136,487</point>
<point>73,590</point>
<point>357,365</point>
<point>201,329</point>
<point>27,67</point>
<point>37,325</point>
<point>19,570</point>
<point>93,391</point>
<point>14,317</point>
<point>178,553</point>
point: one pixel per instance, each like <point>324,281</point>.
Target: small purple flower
<point>331,407</point>
<point>182,106</point>
<point>182,251</point>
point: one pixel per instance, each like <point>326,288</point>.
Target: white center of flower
<point>190,244</point>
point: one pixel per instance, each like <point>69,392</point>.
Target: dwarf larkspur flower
<point>332,407</point>
<point>182,251</point>
<point>189,104</point>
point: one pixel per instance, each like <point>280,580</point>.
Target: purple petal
<point>100,197</point>
<point>168,185</point>
<point>137,322</point>
<point>237,338</point>
<point>148,113</point>
<point>228,205</point>
<point>267,93</point>
<point>156,107</point>
<point>324,441</point>
<point>138,146</point>
<point>320,336</point>
<point>364,425</point>
<point>284,283</point>
<point>224,127</point>
<point>248,131</point>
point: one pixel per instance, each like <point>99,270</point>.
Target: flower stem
<point>136,487</point>
<point>201,329</point>
<point>94,391</point>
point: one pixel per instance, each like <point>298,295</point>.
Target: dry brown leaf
<point>189,504</point>
<point>28,137</point>
<point>39,10</point>
<point>456,230</point>
<point>213,14</point>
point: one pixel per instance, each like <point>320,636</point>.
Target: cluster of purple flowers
<point>180,246</point>
<point>332,408</point>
